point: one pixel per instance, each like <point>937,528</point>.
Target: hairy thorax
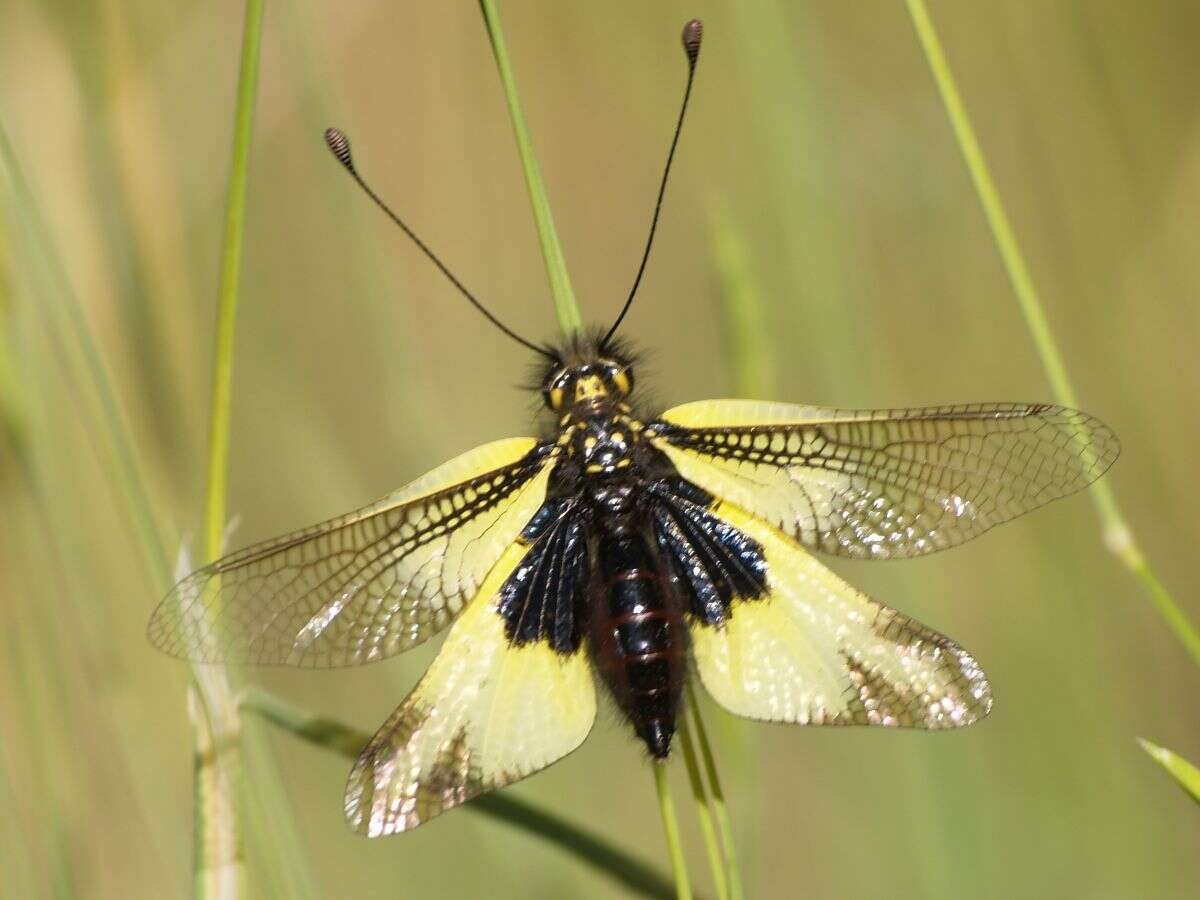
<point>603,439</point>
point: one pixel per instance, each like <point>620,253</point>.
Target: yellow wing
<point>487,713</point>
<point>814,651</point>
<point>881,484</point>
<point>366,585</point>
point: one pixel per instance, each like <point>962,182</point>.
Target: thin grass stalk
<point>218,856</point>
<point>592,850</point>
<point>565,307</point>
<point>1118,535</point>
<point>231,270</point>
<point>666,809</point>
<point>219,850</point>
<point>712,846</point>
<point>720,809</point>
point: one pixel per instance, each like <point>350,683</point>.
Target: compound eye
<point>555,394</point>
<point>622,379</point>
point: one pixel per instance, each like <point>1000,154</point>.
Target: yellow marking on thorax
<point>635,427</point>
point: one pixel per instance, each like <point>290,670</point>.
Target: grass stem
<point>219,851</point>
<point>712,846</point>
<point>1119,536</point>
<point>720,809</point>
<point>666,808</point>
<point>231,269</point>
<point>569,320</point>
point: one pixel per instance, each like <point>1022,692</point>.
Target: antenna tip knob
<point>693,32</point>
<point>340,145</point>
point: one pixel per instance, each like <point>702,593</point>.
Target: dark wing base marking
<point>543,598</point>
<point>711,562</point>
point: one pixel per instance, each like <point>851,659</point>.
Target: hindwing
<point>812,650</point>
<point>544,597</point>
<point>488,712</point>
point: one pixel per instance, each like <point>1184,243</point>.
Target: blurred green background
<point>818,178</point>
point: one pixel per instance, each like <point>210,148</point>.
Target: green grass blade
<point>1119,536</point>
<point>591,849</point>
<point>666,809</point>
<point>231,270</point>
<point>716,861</point>
<point>720,808</point>
<point>1185,774</point>
<point>569,320</point>
<point>219,859</point>
<point>220,853</point>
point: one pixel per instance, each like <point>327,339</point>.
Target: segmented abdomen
<point>638,635</point>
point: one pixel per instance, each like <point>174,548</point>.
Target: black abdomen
<point>637,631</point>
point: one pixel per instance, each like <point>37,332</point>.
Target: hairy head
<point>588,371</point>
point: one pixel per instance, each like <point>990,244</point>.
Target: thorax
<point>602,440</point>
<point>604,446</point>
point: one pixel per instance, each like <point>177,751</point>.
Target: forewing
<point>882,484</point>
<point>814,651</point>
<point>487,713</point>
<point>366,585</point>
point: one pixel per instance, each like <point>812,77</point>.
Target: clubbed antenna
<point>693,32</point>
<point>339,144</point>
